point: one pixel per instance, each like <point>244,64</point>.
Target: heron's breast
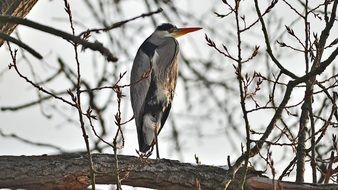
<point>163,93</point>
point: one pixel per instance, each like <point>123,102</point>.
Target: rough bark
<point>268,184</point>
<point>70,171</point>
<point>18,8</point>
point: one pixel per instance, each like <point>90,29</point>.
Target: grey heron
<point>153,81</point>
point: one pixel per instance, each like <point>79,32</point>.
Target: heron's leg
<point>156,141</point>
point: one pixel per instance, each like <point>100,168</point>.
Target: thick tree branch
<point>268,184</point>
<point>63,171</point>
<point>70,171</point>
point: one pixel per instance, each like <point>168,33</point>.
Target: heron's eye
<point>154,115</point>
<point>172,29</point>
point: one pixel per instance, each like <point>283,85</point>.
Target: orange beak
<point>182,31</point>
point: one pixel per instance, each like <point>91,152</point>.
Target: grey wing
<point>139,87</point>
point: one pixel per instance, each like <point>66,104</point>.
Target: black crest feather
<point>166,27</point>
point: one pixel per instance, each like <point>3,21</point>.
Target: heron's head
<point>169,30</point>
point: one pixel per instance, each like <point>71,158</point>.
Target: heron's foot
<point>157,154</point>
<point>144,156</point>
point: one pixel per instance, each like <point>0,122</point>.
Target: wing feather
<point>139,87</point>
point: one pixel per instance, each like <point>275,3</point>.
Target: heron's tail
<point>144,148</point>
<point>146,138</point>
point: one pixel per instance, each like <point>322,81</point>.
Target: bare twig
<point>267,42</point>
<point>242,91</point>
<point>26,141</point>
<point>120,23</point>
<point>20,44</point>
<point>77,100</point>
<point>118,123</point>
<point>14,64</point>
<point>96,46</point>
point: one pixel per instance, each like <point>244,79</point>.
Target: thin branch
<point>77,100</point>
<point>242,91</point>
<point>14,64</point>
<point>269,50</point>
<point>294,10</point>
<point>268,9</point>
<point>20,44</point>
<point>26,141</point>
<point>120,23</point>
<point>96,46</point>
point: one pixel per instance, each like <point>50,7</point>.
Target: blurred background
<point>206,118</point>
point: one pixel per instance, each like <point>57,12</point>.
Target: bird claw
<point>143,155</point>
